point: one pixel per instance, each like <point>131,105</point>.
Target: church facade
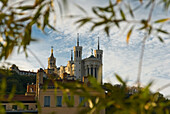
<point>77,67</point>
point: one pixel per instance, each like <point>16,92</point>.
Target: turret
<point>51,60</point>
<point>98,53</point>
<point>77,59</point>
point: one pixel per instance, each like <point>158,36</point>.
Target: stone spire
<point>77,39</point>
<point>71,55</point>
<point>51,51</point>
<point>98,44</point>
<point>91,51</point>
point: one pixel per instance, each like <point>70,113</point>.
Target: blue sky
<point>119,57</point>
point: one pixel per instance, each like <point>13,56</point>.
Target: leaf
<point>106,29</point>
<point>83,21</point>
<point>81,8</point>
<point>26,7</point>
<point>162,31</point>
<point>162,20</point>
<point>119,79</point>
<point>23,19</point>
<point>128,35</point>
<point>141,1</point>
<point>131,12</point>
<point>160,39</point>
<point>118,1</point>
<point>122,14</point>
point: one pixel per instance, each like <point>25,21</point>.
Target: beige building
<point>54,100</point>
<point>12,106</point>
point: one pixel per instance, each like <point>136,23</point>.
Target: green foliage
<point>15,82</point>
<point>16,21</point>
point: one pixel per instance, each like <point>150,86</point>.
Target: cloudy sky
<point>118,58</point>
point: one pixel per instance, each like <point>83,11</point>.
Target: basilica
<point>77,70</point>
<point>77,67</point>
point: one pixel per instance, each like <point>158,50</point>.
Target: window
<point>91,70</point>
<point>14,107</point>
<point>81,100</point>
<point>26,107</point>
<point>88,71</point>
<point>76,53</point>
<point>96,73</point>
<point>79,53</point>
<point>59,101</point>
<point>100,56</point>
<point>71,101</point>
<point>46,101</point>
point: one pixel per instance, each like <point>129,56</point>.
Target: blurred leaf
<point>83,21</point>
<point>162,20</point>
<point>141,1</point>
<point>160,39</point>
<point>26,7</point>
<point>107,30</point>
<point>118,1</point>
<point>119,79</point>
<point>128,35</point>
<point>81,8</point>
<point>162,31</point>
<point>122,14</point>
<point>131,11</point>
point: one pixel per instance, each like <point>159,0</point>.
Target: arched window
<point>97,55</point>
<point>91,70</point>
<point>88,71</point>
<point>79,53</point>
<point>96,73</point>
<point>100,56</point>
<point>76,53</point>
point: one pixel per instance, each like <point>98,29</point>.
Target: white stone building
<point>78,67</point>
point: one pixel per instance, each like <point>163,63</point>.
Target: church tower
<point>99,55</point>
<point>77,59</point>
<point>51,60</point>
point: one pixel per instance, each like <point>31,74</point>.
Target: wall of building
<point>64,109</point>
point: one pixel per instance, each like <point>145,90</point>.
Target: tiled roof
<point>19,98</point>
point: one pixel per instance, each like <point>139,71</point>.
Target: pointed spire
<point>51,50</point>
<point>71,55</point>
<point>91,51</point>
<point>77,39</point>
<point>98,44</point>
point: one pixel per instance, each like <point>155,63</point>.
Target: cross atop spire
<point>51,49</point>
<point>98,44</point>
<point>77,39</point>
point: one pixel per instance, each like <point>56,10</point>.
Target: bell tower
<point>99,55</point>
<point>51,60</point>
<point>77,59</point>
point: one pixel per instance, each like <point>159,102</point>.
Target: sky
<point>119,57</point>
